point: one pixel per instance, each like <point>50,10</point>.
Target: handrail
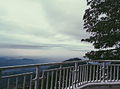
<point>54,63</point>
<point>10,76</point>
<point>42,64</point>
<point>63,77</point>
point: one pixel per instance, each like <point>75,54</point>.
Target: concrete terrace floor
<point>104,85</point>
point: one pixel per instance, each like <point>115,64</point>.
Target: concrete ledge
<point>103,85</point>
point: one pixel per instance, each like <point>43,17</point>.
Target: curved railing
<point>64,75</point>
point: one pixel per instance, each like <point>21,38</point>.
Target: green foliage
<point>102,21</point>
<point>113,54</point>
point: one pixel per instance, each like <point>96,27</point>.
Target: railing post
<point>60,77</point>
<point>87,72</point>
<point>117,73</point>
<point>103,71</point>
<point>75,73</point>
<point>37,78</point>
<point>31,77</point>
<point>42,80</point>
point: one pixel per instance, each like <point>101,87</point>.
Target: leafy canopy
<point>102,21</point>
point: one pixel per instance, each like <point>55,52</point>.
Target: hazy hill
<point>6,61</point>
<point>65,65</point>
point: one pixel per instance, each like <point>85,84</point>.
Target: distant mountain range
<point>9,61</point>
<point>6,61</point>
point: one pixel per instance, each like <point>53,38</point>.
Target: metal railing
<point>64,75</point>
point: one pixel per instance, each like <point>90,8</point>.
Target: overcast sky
<point>43,28</point>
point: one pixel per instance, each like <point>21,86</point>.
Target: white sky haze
<point>45,28</point>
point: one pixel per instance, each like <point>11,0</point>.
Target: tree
<point>102,21</point>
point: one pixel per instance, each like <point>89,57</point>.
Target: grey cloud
<point>68,24</point>
<point>44,46</point>
<point>18,46</point>
<point>61,20</point>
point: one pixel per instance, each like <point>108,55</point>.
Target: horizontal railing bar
<point>89,64</point>
<point>54,63</point>
<point>114,65</point>
<point>35,65</point>
<point>16,75</point>
<point>81,72</point>
<point>58,69</point>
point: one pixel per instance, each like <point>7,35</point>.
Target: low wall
<point>102,86</point>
